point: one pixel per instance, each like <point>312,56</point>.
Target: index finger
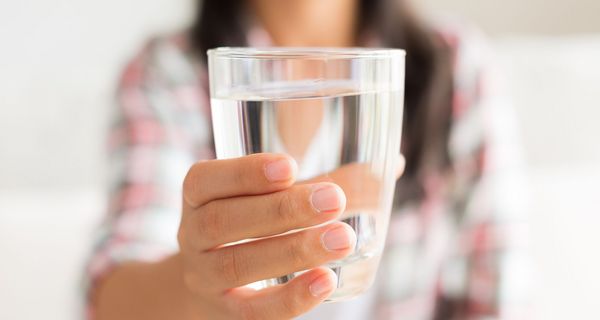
<point>249,175</point>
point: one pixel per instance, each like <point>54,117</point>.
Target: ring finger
<point>241,264</point>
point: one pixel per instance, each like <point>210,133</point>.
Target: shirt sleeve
<point>160,128</point>
<point>485,275</point>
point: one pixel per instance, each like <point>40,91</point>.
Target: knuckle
<point>210,226</point>
<point>190,183</point>
<point>299,253</point>
<point>286,208</point>
<point>292,306</point>
<point>191,282</point>
<point>230,265</point>
<point>193,274</point>
<point>189,177</point>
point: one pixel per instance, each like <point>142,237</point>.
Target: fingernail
<point>322,285</point>
<point>339,238</point>
<point>327,198</point>
<point>280,170</point>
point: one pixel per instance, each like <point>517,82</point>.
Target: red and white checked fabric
<point>447,257</point>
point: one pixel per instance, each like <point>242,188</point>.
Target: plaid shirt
<point>446,257</point>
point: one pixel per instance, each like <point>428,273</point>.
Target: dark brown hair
<point>429,88</point>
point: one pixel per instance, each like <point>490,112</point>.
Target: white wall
<point>59,61</point>
<point>554,84</point>
<point>525,16</point>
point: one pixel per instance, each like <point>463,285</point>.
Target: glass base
<point>353,278</point>
<point>355,273</point>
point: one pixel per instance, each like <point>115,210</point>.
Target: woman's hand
<point>226,201</point>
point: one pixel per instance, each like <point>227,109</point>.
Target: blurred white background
<point>58,65</point>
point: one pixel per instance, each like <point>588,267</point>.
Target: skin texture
<point>226,201</point>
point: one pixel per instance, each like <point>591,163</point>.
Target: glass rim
<point>304,52</point>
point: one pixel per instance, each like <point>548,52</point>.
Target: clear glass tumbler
<point>337,112</point>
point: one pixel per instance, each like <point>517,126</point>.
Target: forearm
<point>146,291</point>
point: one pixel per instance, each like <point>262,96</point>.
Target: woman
<point>442,257</point>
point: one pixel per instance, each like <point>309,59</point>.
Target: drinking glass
<point>338,113</point>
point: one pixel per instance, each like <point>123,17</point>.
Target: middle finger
<point>229,220</point>
<point>241,264</point>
